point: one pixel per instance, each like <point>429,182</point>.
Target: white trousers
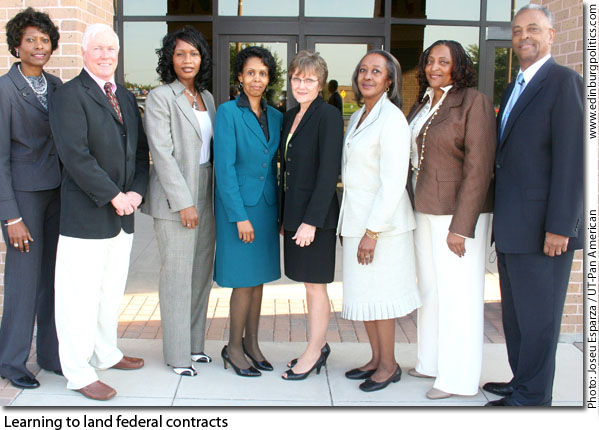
<point>451,319</point>
<point>91,275</point>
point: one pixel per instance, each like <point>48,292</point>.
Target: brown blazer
<point>459,153</point>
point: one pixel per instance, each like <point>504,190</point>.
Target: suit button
<point>263,164</point>
<point>290,145</point>
<point>288,173</point>
<point>497,166</point>
<point>288,159</point>
<point>262,178</point>
<point>266,151</point>
<point>123,134</point>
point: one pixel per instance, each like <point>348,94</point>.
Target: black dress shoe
<point>261,365</point>
<point>499,388</point>
<point>249,372</point>
<point>504,401</point>
<point>24,382</point>
<point>370,385</point>
<point>359,374</point>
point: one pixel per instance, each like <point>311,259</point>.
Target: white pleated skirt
<point>385,288</point>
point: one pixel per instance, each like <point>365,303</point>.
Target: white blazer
<point>376,157</point>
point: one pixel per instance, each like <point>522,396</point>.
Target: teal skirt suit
<point>245,172</point>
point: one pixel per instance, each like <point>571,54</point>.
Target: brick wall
<point>568,50</point>
<point>71,17</point>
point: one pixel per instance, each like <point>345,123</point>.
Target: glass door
<point>342,54</point>
<point>503,66</point>
<point>283,49</point>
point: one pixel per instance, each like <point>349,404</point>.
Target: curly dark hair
<point>258,52</point>
<point>29,18</point>
<point>195,38</point>
<point>463,73</point>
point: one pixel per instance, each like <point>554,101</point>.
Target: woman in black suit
<point>310,163</point>
<point>29,199</point>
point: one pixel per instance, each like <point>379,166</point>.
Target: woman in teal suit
<point>246,138</point>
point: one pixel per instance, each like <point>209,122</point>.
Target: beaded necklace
<point>43,90</point>
<point>416,169</point>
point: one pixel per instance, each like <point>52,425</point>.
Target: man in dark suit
<point>538,206</point>
<point>101,142</point>
<point>335,98</point>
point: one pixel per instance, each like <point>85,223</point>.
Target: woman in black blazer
<point>310,163</point>
<point>29,199</point>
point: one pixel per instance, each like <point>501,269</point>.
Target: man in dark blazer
<point>101,142</point>
<point>538,206</point>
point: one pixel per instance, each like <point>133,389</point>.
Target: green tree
<point>502,79</point>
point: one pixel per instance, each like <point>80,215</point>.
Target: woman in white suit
<point>376,220</point>
<point>179,121</point>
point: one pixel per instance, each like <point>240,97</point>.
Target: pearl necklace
<point>41,92</point>
<point>416,169</point>
<point>194,97</point>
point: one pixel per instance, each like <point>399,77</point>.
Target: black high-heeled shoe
<point>250,371</point>
<point>292,376</point>
<point>326,350</point>
<point>262,365</point>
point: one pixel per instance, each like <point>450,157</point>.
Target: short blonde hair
<point>309,62</point>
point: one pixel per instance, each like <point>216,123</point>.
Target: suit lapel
<point>185,107</point>
<point>24,89</point>
<point>98,95</point>
<point>372,116</point>
<point>252,123</point>
<point>531,90</point>
<point>311,109</point>
<point>453,99</point>
<point>51,88</point>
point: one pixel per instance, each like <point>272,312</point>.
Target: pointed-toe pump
<point>249,372</point>
<point>262,365</point>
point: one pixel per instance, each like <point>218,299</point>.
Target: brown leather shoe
<point>129,363</point>
<point>98,391</point>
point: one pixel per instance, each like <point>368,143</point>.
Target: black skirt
<point>314,264</point>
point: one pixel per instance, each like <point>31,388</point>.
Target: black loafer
<point>359,374</point>
<point>24,382</point>
<point>504,401</point>
<point>499,388</point>
<point>370,385</point>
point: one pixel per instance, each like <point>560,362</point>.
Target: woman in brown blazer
<point>453,149</point>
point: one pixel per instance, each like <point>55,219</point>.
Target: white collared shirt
<point>532,70</point>
<point>101,82</point>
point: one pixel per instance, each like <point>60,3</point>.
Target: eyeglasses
<point>308,81</point>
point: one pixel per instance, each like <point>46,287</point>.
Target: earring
<point>17,51</point>
<point>388,88</point>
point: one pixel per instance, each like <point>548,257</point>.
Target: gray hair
<point>538,7</point>
<point>393,73</point>
<point>92,30</point>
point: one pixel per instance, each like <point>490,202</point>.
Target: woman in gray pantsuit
<point>178,122</point>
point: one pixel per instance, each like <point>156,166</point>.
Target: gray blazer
<point>28,157</point>
<point>175,141</point>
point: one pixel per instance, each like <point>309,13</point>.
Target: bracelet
<point>371,234</point>
<point>18,220</point>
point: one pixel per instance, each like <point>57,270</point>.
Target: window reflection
<point>409,41</point>
<point>345,8</point>
<point>258,7</point>
<point>342,59</point>
<point>167,7</point>
<point>468,10</point>
<point>499,10</point>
